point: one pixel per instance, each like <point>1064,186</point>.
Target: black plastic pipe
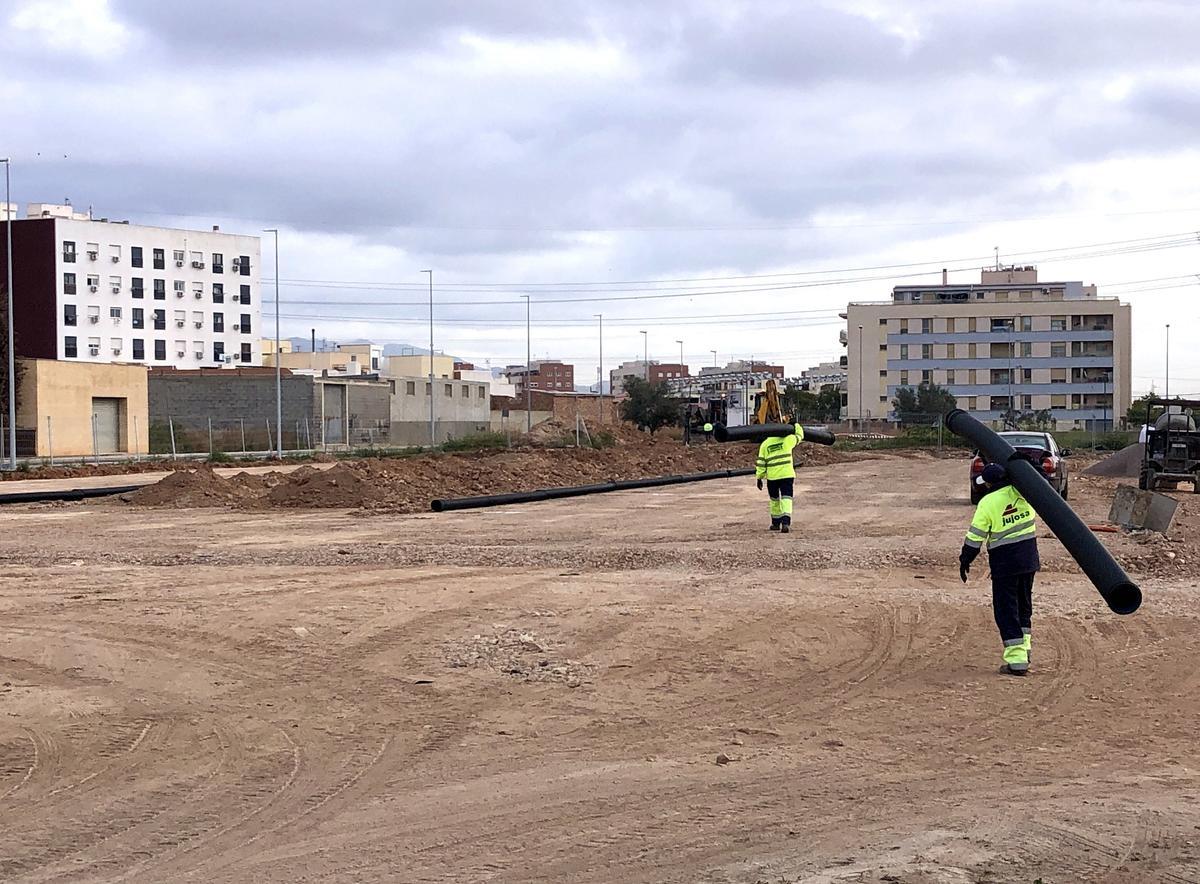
<point>759,432</point>
<point>1109,578</point>
<point>68,495</point>
<point>467,503</point>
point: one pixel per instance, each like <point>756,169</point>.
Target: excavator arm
<point>769,409</point>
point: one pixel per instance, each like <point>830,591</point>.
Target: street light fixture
<point>278,358</point>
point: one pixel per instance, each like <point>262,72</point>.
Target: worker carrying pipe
<point>759,432</point>
<point>1006,522</point>
<point>775,465</point>
<point>1121,593</point>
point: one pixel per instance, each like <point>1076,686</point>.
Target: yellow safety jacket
<point>1006,522</point>
<point>775,456</point>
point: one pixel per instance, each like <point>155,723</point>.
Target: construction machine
<point>767,407</point>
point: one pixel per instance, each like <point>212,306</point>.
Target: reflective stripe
<point>1014,529</point>
<point>1015,654</point>
<point>974,544</point>
<point>994,544</point>
<point>976,533</point>
<point>1013,642</point>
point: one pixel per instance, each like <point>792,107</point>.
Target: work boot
<point>786,529</point>
<point>775,526</point>
<point>1008,670</point>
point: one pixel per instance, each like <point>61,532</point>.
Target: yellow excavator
<point>767,407</point>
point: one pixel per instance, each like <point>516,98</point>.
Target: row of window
<point>158,317</point>
<point>1001,376</point>
<point>241,264</point>
<point>963,324</point>
<point>1058,350</point>
<point>137,288</point>
<point>410,389</point>
<point>117,345</point>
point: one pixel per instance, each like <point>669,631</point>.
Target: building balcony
<point>1001,364</point>
<point>997,337</point>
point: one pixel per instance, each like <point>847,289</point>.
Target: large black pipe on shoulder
<point>1121,593</point>
<point>760,432</point>
<point>467,503</point>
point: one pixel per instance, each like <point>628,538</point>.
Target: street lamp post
<point>432,418</point>
<point>600,316</point>
<point>861,379</point>
<point>278,357</point>
<point>12,361</point>
<point>528,370</point>
<point>1167,391</point>
<point>646,354</point>
<point>714,353</point>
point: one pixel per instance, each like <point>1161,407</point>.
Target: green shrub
<point>487,440</point>
<point>219,457</point>
<point>603,439</point>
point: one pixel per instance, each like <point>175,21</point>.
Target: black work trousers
<point>1012,603</point>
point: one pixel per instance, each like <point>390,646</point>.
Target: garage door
<point>106,422</point>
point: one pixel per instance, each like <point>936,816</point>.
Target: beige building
<point>345,359</point>
<point>417,366</point>
<point>460,409</point>
<point>1008,344</point>
<point>76,409</point>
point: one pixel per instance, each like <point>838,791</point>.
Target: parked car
<point>1042,451</point>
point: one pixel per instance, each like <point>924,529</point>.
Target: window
<point>926,376</point>
<point>883,322</point>
<point>972,351</point>
<point>410,388</point>
<point>950,376</point>
<point>93,346</point>
<point>115,283</point>
<point>139,348</point>
<point>218,262</point>
<point>244,322</point>
<point>68,252</point>
<point>1001,296</point>
<point>1027,322</point>
<point>198,349</point>
<point>1026,349</point>
<point>93,282</point>
<point>160,349</point>
<point>903,326</point>
<point>117,345</point>
<point>1058,400</point>
<point>449,391</point>
<point>951,351</point>
<point>245,294</point>
<point>160,289</point>
<point>139,317</point>
<point>482,392</point>
<point>93,251</point>
<point>180,318</point>
<point>1058,323</point>
<point>135,256</point>
<point>137,287</point>
<point>218,322</point>
<point>1002,324</point>
<point>160,319</point>
<point>927,351</point>
<point>218,293</point>
<point>93,315</point>
<point>114,313</point>
<point>179,256</point>
<point>198,290</point>
<point>428,390</point>
<point>246,353</point>
<point>904,351</point>
<point>178,286</point>
<point>115,254</point>
<point>197,259</point>
<point>160,260</point>
<point>1058,375</point>
<point>243,265</point>
<point>883,348</point>
<point>466,392</point>
<point>68,283</point>
<point>69,316</point>
<point>180,349</point>
<point>926,326</point>
<point>1000,403</point>
<point>1027,375</point>
<point>198,319</point>
<point>70,347</point>
<point>1058,350</point>
<point>1027,402</point>
<point>1025,296</point>
<point>971,375</point>
<point>904,379</point>
<point>218,351</point>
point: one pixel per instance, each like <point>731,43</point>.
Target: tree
<point>1136,415</point>
<point>649,406</point>
<point>829,403</point>
<point>923,404</point>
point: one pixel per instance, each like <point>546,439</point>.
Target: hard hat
<point>993,474</point>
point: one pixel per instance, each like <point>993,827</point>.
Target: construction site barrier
<point>467,503</point>
<point>1121,593</point>
<point>759,432</point>
<point>68,495</point>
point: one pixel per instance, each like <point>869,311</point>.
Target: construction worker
<point>1006,522</point>
<point>775,465</point>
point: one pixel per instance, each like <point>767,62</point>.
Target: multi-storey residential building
<point>95,290</point>
<point>824,374</point>
<point>1009,345</point>
<point>546,374</point>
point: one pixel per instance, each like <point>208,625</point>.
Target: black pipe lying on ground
<point>467,503</point>
<point>759,432</point>
<point>1121,593</point>
<point>69,495</point>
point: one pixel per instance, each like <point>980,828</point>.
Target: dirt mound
<point>196,488</point>
<point>1125,464</point>
<point>341,486</point>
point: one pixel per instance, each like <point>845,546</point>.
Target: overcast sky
<point>516,146</point>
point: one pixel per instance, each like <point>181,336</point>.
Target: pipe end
<point>436,506</point>
<point>720,432</point>
<point>1124,598</point>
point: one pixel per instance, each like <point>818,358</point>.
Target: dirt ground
<point>636,687</point>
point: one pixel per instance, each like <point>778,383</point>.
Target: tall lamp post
<point>528,370</point>
<point>1167,391</point>
<point>600,316</point>
<point>278,357</point>
<point>646,354</point>
<point>861,380</point>
<point>432,419</point>
<point>714,353</point>
<point>682,369</point>
<point>12,361</point>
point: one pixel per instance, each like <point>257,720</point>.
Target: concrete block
<point>1134,508</point>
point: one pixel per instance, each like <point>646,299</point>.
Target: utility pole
<point>1166,392</point>
<point>528,370</point>
<point>600,316</point>
<point>432,419</point>
<point>646,354</point>
<point>861,379</point>
<point>278,357</point>
<point>12,360</point>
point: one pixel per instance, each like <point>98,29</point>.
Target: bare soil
<point>636,687</point>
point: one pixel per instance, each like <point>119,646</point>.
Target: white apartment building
<point>94,290</point>
<point>1010,344</point>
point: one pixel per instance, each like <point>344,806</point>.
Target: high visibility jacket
<point>775,456</point>
<point>1006,522</point>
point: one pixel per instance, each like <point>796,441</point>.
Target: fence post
<point>242,421</point>
<point>171,426</point>
<point>95,443</point>
<point>137,451</point>
<point>50,440</point>
<point>296,447</point>
<point>210,445</point>
<point>270,441</point>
